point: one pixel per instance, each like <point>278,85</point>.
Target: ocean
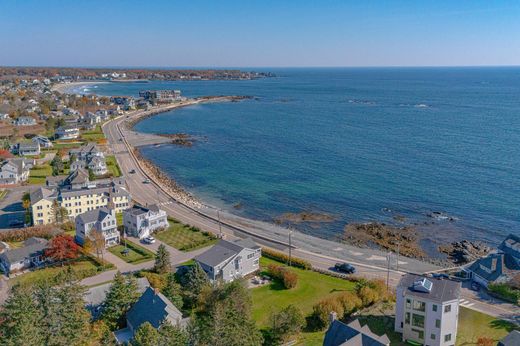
<point>437,148</point>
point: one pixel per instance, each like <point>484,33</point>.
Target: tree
<point>62,247</point>
<point>91,175</point>
<point>146,335</point>
<point>98,242</point>
<point>59,212</point>
<point>193,282</point>
<point>21,319</point>
<point>172,291</point>
<point>119,299</point>
<point>172,335</point>
<point>162,260</point>
<point>57,165</point>
<point>285,324</point>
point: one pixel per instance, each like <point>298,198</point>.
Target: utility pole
<point>388,273</point>
<point>219,224</point>
<point>290,247</point>
<point>397,264</point>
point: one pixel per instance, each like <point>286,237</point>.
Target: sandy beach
<point>66,88</point>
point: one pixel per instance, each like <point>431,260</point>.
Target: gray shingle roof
<point>224,250</point>
<point>94,215</point>
<point>442,290</point>
<point>339,333</point>
<point>42,193</point>
<point>511,339</point>
<point>152,307</point>
<point>31,247</point>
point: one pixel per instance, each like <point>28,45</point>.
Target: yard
<point>83,268</point>
<point>94,135</point>
<point>66,145</point>
<point>3,193</point>
<point>312,287</point>
<point>38,174</point>
<point>184,237</point>
<point>135,253</point>
<point>112,166</point>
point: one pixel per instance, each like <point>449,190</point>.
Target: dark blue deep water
<point>360,144</point>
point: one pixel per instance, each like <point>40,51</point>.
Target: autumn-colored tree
<point>5,154</point>
<point>98,242</point>
<point>62,248</point>
<point>485,341</point>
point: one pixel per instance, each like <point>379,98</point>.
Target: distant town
<point>99,247</point>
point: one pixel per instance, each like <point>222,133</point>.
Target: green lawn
<point>184,237</point>
<point>38,174</point>
<point>3,193</point>
<point>112,166</point>
<point>136,254</point>
<point>83,268</point>
<point>67,145</point>
<point>474,324</point>
<point>312,287</point>
<point>93,136</point>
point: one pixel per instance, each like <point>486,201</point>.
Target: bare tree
<point>98,242</point>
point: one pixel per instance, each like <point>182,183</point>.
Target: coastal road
<point>322,254</point>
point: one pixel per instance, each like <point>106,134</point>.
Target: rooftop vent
<point>423,285</point>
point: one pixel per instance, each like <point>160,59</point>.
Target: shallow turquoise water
<point>360,144</point>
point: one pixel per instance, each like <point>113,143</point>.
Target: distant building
<point>43,141</point>
<point>229,260</point>
<point>15,170</point>
<point>342,334</point>
<point>67,132</point>
<point>153,307</point>
<point>427,310</point>
<point>24,121</point>
<point>27,149</point>
<point>161,96</point>
<point>499,267</point>
<point>141,221</point>
<point>30,254</point>
<point>101,220</point>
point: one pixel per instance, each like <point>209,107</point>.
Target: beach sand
<point>66,88</point>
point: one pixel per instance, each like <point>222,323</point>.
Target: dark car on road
<point>345,268</point>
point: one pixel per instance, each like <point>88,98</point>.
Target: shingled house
<point>30,254</point>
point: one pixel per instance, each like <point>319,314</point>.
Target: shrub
<point>46,232</point>
<point>157,281</point>
<point>284,325</point>
<point>319,319</point>
<point>505,292</point>
<point>285,275</point>
<point>368,295</point>
<point>281,257</point>
<point>350,302</point>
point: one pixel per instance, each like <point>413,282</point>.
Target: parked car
<point>345,268</point>
<point>146,181</point>
<point>132,171</point>
<point>440,276</point>
<point>149,240</point>
<point>475,286</point>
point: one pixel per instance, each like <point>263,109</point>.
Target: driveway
<point>11,208</point>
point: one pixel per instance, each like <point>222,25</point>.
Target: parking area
<point>11,208</point>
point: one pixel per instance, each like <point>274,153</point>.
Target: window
<point>420,333</point>
<point>407,318</point>
<point>447,308</point>
<point>437,323</point>
<point>418,305</point>
<point>432,336</point>
<point>447,337</point>
<point>408,304</point>
<point>434,307</point>
<point>418,321</point>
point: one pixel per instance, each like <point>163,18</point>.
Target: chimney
<point>333,316</point>
<point>493,264</point>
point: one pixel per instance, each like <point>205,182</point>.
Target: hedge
<point>281,257</point>
<point>285,275</point>
<point>46,232</point>
<point>505,292</point>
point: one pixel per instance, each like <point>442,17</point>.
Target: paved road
<point>321,253</point>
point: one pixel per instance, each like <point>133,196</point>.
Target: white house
<point>89,156</point>
<point>43,141</point>
<point>229,260</point>
<point>25,121</point>
<point>101,220</point>
<point>427,310</point>
<point>27,149</point>
<point>142,221</point>
<point>67,132</point>
<point>15,170</point>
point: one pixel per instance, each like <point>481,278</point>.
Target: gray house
<point>28,149</point>
<point>15,170</point>
<point>153,307</point>
<point>24,121</point>
<point>142,221</point>
<point>342,334</point>
<point>102,220</point>
<point>427,310</point>
<point>29,255</point>
<point>228,260</point>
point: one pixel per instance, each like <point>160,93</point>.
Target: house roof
<point>42,193</point>
<point>441,290</point>
<point>493,266</point>
<point>511,339</point>
<point>511,246</point>
<point>95,296</point>
<point>94,215</point>
<point>224,250</point>
<point>152,307</point>
<point>353,334</point>
<point>31,247</point>
<point>137,210</point>
<point>78,176</point>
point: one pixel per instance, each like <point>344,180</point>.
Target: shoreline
<point>65,88</point>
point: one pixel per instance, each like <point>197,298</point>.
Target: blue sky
<point>259,33</point>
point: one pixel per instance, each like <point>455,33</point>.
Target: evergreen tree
<point>172,335</point>
<point>146,335</point>
<point>120,298</point>
<point>162,260</point>
<point>21,319</point>
<point>172,291</point>
<point>193,282</point>
<point>285,324</point>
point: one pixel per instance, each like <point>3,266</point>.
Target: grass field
<point>312,287</point>
<point>184,237</point>
<point>136,254</point>
<point>67,145</point>
<point>112,166</point>
<point>38,174</point>
<point>93,136</point>
<point>83,268</point>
